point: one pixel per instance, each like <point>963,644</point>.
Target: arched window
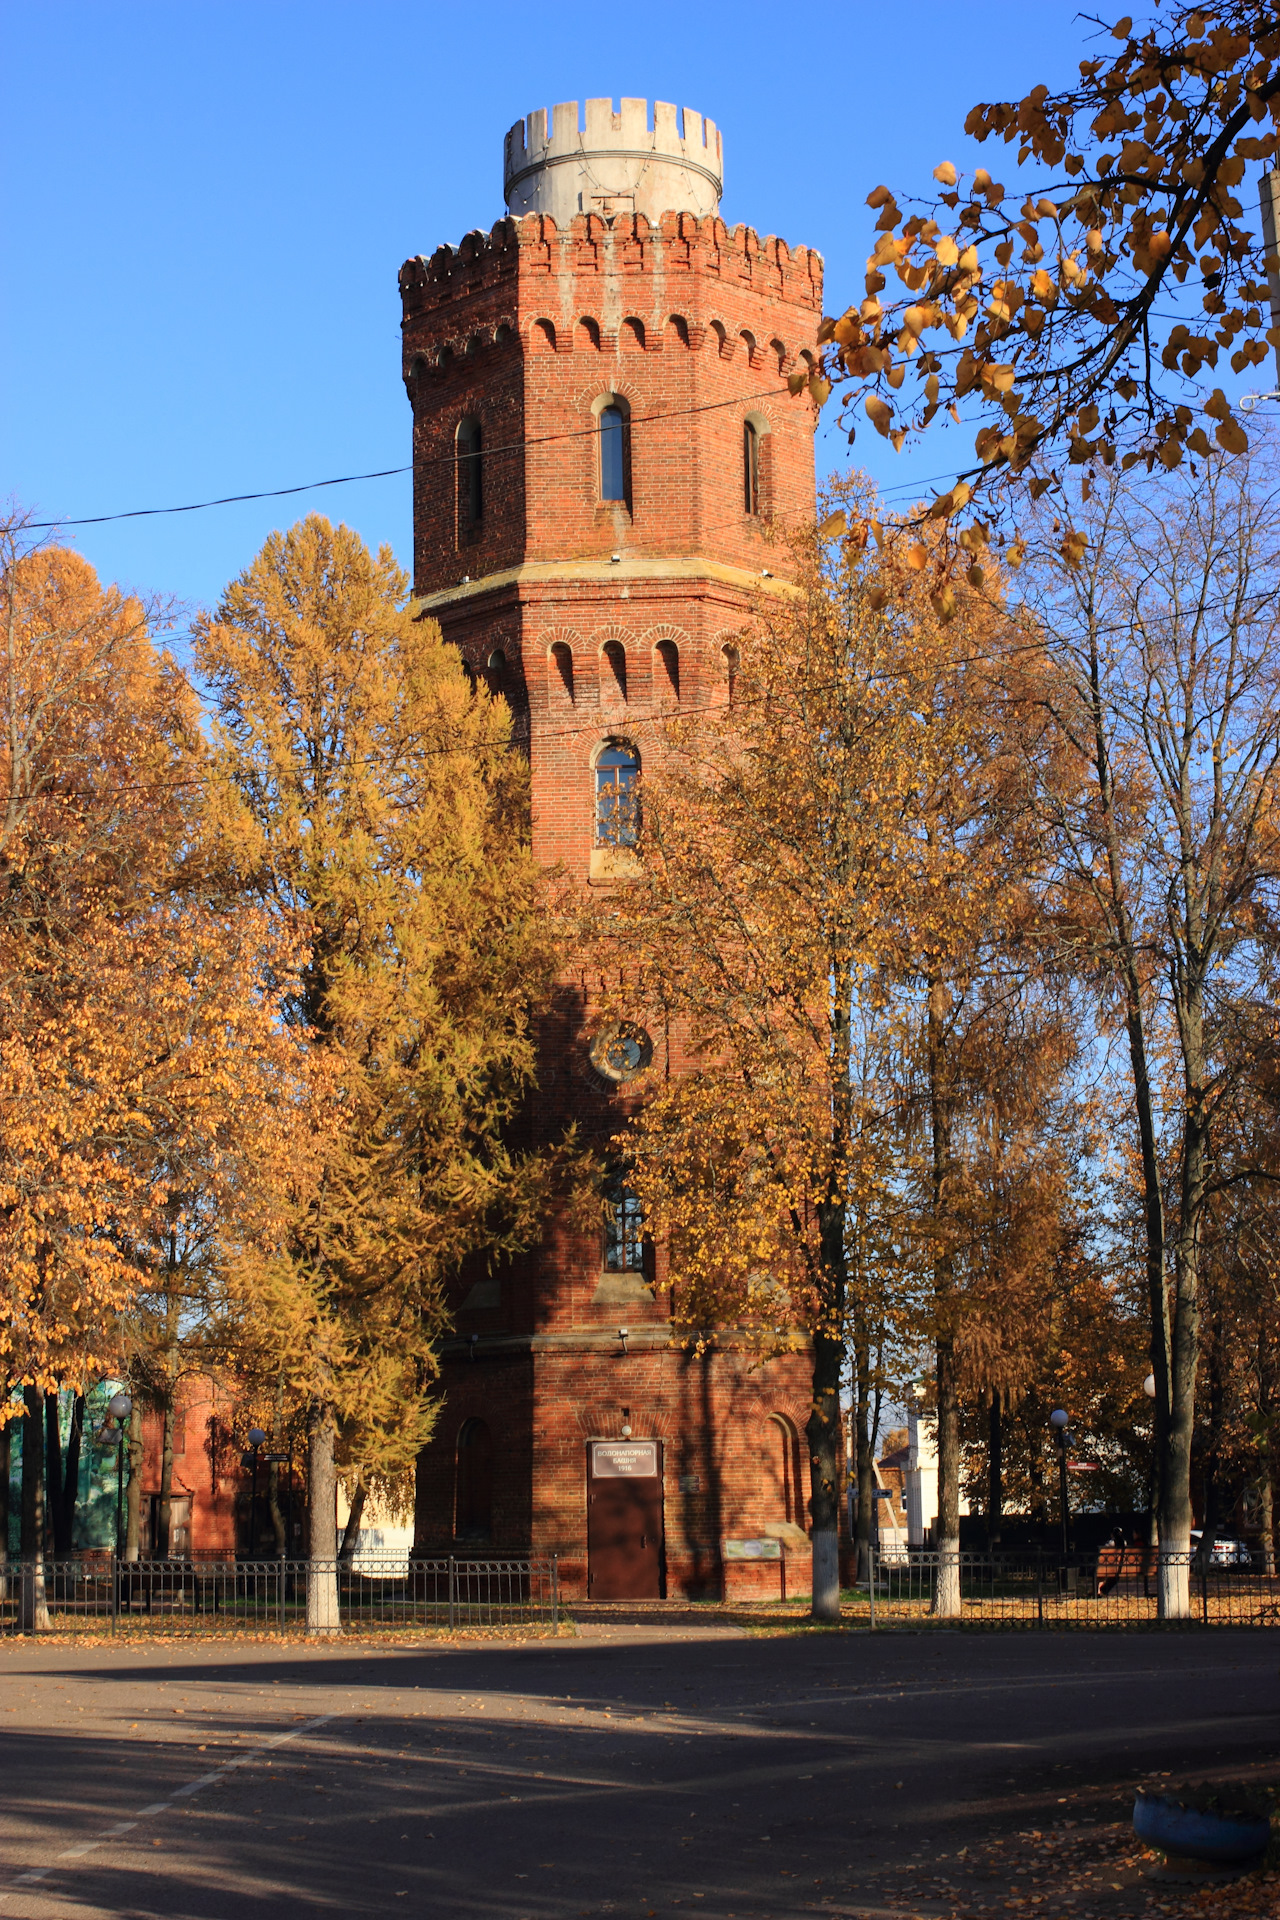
<point>617,796</point>
<point>666,677</point>
<point>623,1229</point>
<point>613,453</point>
<point>473,1483</point>
<point>562,664</point>
<point>780,1472</point>
<point>730,660</point>
<point>750,467</point>
<point>470,474</point>
<point>613,670</point>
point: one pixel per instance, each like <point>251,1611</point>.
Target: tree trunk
<point>946,1596</point>
<point>71,1472</point>
<point>33,1610</point>
<point>823,1434</point>
<point>1267,1510</point>
<point>1174,1594</point>
<point>995,1474</point>
<point>322,1520</point>
<point>133,1487</point>
<point>946,1593</point>
<point>6,1469</point>
<point>423,1528</point>
<point>351,1532</point>
<point>864,1459</point>
<point>162,1547</point>
<point>57,1547</point>
<point>278,1528</point>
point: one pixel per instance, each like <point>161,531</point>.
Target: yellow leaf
<point>1122,28</point>
<point>1015,554</point>
<point>943,602</point>
<point>975,576</point>
<point>819,390</point>
<point>946,173</point>
<point>946,252</point>
<point>1232,438</point>
<point>837,522</point>
<point>917,557</point>
<point>795,382</point>
<point>878,413</point>
<point>879,197</point>
<point>1217,406</point>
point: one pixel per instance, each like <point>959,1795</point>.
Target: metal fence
<point>102,1594</point>
<point>1106,1589</point>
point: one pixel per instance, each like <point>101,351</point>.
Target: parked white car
<point>1226,1553</point>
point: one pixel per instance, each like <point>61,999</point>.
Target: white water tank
<point>617,163</point>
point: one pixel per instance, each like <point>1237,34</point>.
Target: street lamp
<point>120,1406</point>
<point>256,1439</point>
<point>1060,1421</point>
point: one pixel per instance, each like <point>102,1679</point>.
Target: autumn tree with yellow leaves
<point>371,801</point>
<point>137,1012</point>
<point>1079,317</point>
<point>1160,823</point>
<point>783,850</point>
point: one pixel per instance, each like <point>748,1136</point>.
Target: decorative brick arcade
<point>604,448</point>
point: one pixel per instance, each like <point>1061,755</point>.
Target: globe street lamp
<point>120,1406</point>
<point>256,1439</point>
<point>1059,1420</point>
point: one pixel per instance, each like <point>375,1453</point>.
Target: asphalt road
<point>628,1772</point>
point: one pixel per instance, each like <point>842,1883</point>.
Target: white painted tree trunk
<point>33,1608</point>
<point>1173,1582</point>
<point>946,1592</point>
<point>826,1573</point>
<point>322,1569</point>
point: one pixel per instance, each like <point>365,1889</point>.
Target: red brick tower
<point>603,440</point>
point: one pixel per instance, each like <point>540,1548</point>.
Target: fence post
<point>1039,1586</point>
<point>555,1591</point>
<point>115,1589</point>
<point>871,1567</point>
<point>451,1585</point>
<point>1204,1591</point>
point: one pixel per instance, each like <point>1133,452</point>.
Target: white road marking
<point>183,1792</point>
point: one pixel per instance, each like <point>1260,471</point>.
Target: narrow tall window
<point>750,466</point>
<point>470,474</point>
<point>617,798</point>
<point>623,1229</point>
<point>613,454</point>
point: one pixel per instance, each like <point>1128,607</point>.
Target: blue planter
<point>1223,1838</point>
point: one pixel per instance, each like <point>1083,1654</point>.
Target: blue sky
<point>207,206</point>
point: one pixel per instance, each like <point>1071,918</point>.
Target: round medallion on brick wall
<point>620,1051</point>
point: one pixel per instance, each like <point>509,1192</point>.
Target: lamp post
<point>120,1406</point>
<point>1059,1421</point>
<point>256,1439</point>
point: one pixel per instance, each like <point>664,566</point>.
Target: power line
<point>386,473</point>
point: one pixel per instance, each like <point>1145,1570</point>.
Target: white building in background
<point>922,1477</point>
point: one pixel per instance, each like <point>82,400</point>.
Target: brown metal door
<point>624,1519</point>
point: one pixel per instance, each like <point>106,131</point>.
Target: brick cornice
<point>686,569</point>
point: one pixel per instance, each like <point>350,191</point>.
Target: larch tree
<point>372,802</point>
<point>1162,826</point>
<point>779,847</point>
<point>134,1002</point>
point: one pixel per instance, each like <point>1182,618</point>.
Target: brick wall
<point>527,331</point>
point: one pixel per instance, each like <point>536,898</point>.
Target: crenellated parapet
<point>626,245</point>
